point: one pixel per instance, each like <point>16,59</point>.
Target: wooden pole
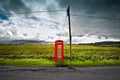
<point>70,37</point>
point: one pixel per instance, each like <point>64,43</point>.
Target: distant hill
<point>22,42</point>
<point>107,43</point>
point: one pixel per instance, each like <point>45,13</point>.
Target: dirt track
<point>59,73</point>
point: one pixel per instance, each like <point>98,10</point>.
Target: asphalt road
<point>59,73</point>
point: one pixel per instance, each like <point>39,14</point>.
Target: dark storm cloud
<point>97,8</point>
<point>92,6</point>
<point>12,5</point>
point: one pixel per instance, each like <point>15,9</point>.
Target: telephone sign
<point>59,51</point>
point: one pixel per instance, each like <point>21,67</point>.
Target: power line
<point>64,25</point>
<point>65,21</point>
<point>8,13</point>
<point>95,17</point>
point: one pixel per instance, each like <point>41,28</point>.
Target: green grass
<point>46,62</point>
<point>42,55</point>
<point>48,50</point>
<point>92,63</point>
<point>27,62</point>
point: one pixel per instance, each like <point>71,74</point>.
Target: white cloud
<point>35,28</point>
<point>91,39</point>
<point>20,27</point>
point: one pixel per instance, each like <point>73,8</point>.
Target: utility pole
<point>70,37</point>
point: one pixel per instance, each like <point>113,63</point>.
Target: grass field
<point>42,54</point>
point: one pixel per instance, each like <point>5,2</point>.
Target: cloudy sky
<point>50,26</point>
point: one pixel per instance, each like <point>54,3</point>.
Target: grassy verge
<point>46,62</point>
<point>92,63</point>
<point>26,62</point>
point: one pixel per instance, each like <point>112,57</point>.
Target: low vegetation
<point>42,55</point>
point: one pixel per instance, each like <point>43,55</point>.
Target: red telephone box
<point>59,50</point>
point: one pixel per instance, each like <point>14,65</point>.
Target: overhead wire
<point>9,13</point>
<point>64,25</point>
<point>50,11</point>
<point>63,28</point>
<point>109,18</point>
